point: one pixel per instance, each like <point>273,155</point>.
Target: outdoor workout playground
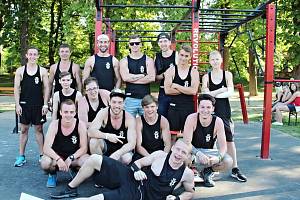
<point>268,157</point>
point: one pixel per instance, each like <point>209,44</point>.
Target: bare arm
<point>170,73</point>
<point>189,127</point>
<point>45,80</point>
<point>188,184</point>
<point>205,87</point>
<point>116,65</point>
<point>139,148</point>
<point>78,97</point>
<point>150,77</point>
<point>49,139</point>
<point>88,67</point>
<point>230,87</point>
<point>83,110</point>
<point>293,97</point>
<point>166,136</point>
<point>94,130</point>
<point>221,138</point>
<point>148,160</point>
<point>55,105</point>
<point>104,94</point>
<point>83,146</point>
<point>17,89</point>
<point>51,78</point>
<point>77,73</point>
<point>158,77</point>
<point>124,72</point>
<point>193,89</point>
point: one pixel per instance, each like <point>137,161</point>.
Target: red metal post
<point>195,41</point>
<point>98,25</point>
<point>269,70</point>
<point>240,87</point>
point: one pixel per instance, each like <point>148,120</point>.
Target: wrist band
<point>135,168</point>
<point>45,106</point>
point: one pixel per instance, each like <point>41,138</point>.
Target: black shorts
<point>177,116</point>
<point>119,179</point>
<point>291,107</point>
<point>32,115</point>
<point>228,131</point>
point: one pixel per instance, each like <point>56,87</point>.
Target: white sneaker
<point>197,178</point>
<point>277,123</point>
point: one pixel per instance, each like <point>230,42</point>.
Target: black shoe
<point>68,192</point>
<point>206,174</point>
<point>236,173</point>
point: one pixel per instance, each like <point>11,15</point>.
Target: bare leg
<point>93,163</point>
<point>231,150</point>
<point>96,146</point>
<point>23,138</point>
<point>278,115</point>
<point>39,136</point>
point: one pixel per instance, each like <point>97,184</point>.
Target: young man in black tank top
<point>219,84</point>
<point>181,84</point>
<point>137,71</point>
<point>94,100</point>
<point>152,129</point>
<point>64,65</point>
<point>65,143</point>
<point>103,66</point>
<point>202,129</point>
<point>113,131</point>
<point>167,178</point>
<point>66,93</point>
<point>31,94</point>
<point>163,61</point>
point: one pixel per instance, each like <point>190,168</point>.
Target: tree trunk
<point>226,58</point>
<point>252,74</point>
<point>51,49</point>
<point>24,31</point>
<point>296,72</point>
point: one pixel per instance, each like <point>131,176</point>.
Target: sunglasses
<point>134,43</point>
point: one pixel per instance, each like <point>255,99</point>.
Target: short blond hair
<point>102,36</point>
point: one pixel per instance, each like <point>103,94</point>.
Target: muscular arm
<point>139,148</point>
<point>293,97</point>
<point>83,146</point>
<point>170,73</point>
<point>188,184</point>
<point>49,139</point>
<point>88,66</point>
<point>55,105</point>
<point>150,77</point>
<point>221,138</point>
<point>166,136</point>
<point>83,111</point>
<point>205,88</point>
<point>230,87</point>
<point>45,80</point>
<point>189,127</point>
<point>77,73</point>
<point>124,72</point>
<point>117,72</point>
<point>148,160</point>
<point>51,78</point>
<point>193,89</point>
<point>94,130</point>
<point>104,96</point>
<point>17,85</point>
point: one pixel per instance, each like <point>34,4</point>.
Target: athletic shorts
<point>291,107</point>
<point>32,115</point>
<point>177,117</point>
<point>228,126</point>
<point>119,179</point>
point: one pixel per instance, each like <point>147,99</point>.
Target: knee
<point>46,163</point>
<point>126,158</point>
<point>227,161</point>
<point>24,129</point>
<point>38,129</point>
<point>95,146</point>
<point>94,161</point>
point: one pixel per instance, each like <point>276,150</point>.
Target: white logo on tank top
<point>107,65</point>
<point>121,134</point>
<point>207,138</point>
<point>156,135</point>
<point>74,139</point>
<point>172,182</point>
<point>186,84</point>
<point>36,80</point>
<point>142,69</point>
<point>171,65</point>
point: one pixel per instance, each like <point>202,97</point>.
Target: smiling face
<point>135,45</point>
<point>180,152</point>
<point>215,60</point>
<point>92,90</point>
<point>67,112</point>
<point>184,57</point>
<point>103,44</point>
<point>116,105</point>
<point>65,81</point>
<point>164,44</point>
<point>150,110</point>
<point>64,53</point>
<point>32,55</point>
<point>205,108</point>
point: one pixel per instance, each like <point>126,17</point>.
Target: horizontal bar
<point>140,36</point>
<point>260,38</point>
<point>224,14</point>
<point>140,31</point>
<point>200,42</point>
<point>144,6</point>
<point>142,41</point>
<point>229,10</point>
<point>286,80</point>
<point>214,18</point>
<point>149,20</point>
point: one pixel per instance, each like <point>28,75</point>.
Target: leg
<point>49,165</point>
<point>278,115</point>
<point>231,150</point>
<point>126,158</point>
<point>39,136</point>
<point>23,138</point>
<point>96,146</point>
<point>80,161</point>
<point>225,165</point>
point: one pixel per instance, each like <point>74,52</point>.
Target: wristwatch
<point>72,157</point>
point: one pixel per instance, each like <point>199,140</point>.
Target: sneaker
<point>40,158</point>
<point>206,174</point>
<point>68,192</point>
<point>197,178</point>
<point>20,161</point>
<point>277,123</point>
<point>51,182</point>
<point>236,173</point>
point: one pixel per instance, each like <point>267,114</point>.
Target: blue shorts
<point>134,106</point>
<point>291,107</point>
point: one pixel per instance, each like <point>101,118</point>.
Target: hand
<point>213,160</point>
<point>171,197</point>
<point>19,110</point>
<point>174,85</point>
<point>114,138</point>
<point>62,165</point>
<point>140,175</point>
<point>68,162</point>
<point>203,159</point>
<point>44,110</point>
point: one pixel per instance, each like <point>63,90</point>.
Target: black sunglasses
<point>134,43</point>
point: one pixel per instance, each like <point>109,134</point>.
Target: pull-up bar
<point>144,6</point>
<point>148,20</point>
<point>285,80</point>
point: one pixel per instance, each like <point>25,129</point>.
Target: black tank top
<point>203,137</point>
<point>62,98</point>
<point>163,63</point>
<point>182,100</point>
<point>151,134</point>
<point>222,106</point>
<point>103,71</point>
<point>58,86</point>
<point>92,113</point>
<point>137,66</point>
<point>122,131</point>
<point>159,187</point>
<point>31,89</point>
<point>66,145</point>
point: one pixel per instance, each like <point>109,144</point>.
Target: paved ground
<point>273,179</point>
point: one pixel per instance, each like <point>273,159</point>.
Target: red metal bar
<point>98,25</point>
<point>270,37</point>
<point>240,87</point>
<point>286,80</point>
<point>195,41</point>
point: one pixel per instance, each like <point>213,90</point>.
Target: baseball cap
<point>163,36</point>
<point>117,93</point>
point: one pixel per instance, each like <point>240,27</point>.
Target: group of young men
<point>107,132</point>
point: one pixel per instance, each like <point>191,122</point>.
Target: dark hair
<point>32,47</point>
<point>63,74</point>
<point>290,86</point>
<point>89,80</point>
<point>67,102</point>
<point>202,97</point>
<point>65,46</point>
<point>148,99</point>
<point>163,36</point>
<point>135,36</point>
